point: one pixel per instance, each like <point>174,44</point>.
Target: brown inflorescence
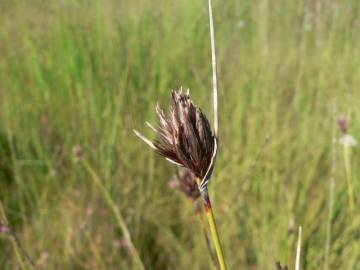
<point>184,137</point>
<point>343,124</point>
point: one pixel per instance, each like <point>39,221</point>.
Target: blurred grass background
<point>88,72</point>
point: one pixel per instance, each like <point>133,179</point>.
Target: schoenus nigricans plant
<point>185,138</point>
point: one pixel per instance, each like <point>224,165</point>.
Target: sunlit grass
<point>85,73</point>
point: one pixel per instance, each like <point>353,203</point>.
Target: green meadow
<point>81,75</point>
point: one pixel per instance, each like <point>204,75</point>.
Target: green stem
<point>349,177</point>
<point>21,254</point>
<point>119,218</point>
<point>213,230</point>
<point>207,239</point>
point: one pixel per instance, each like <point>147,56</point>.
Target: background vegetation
<point>87,72</point>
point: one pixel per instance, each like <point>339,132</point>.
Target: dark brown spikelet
<point>184,181</point>
<point>184,137</point>
<point>279,267</point>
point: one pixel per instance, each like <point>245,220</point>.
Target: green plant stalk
<point>298,250</point>
<point>20,253</point>
<point>347,162</point>
<point>349,179</point>
<point>213,230</point>
<point>207,239</point>
<point>331,196</point>
<point>119,218</point>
